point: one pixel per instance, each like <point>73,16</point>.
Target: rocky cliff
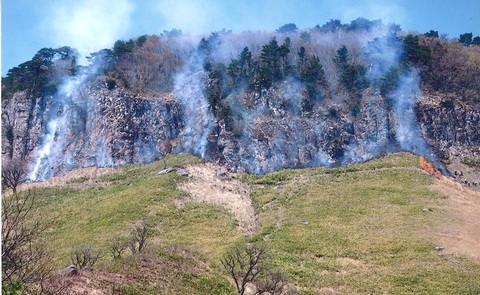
<point>452,131</point>
<point>280,111</point>
<point>112,127</point>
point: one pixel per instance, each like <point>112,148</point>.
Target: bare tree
<point>244,264</point>
<point>117,246</point>
<point>25,258</point>
<point>13,172</point>
<point>140,236</point>
<point>84,255</point>
<point>271,283</point>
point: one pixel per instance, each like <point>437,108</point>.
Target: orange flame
<point>428,167</point>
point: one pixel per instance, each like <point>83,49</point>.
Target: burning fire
<point>428,167</point>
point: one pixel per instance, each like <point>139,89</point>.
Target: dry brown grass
<point>229,193</point>
<point>462,207</point>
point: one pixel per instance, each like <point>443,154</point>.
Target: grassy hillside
<point>353,230</point>
<point>361,230</point>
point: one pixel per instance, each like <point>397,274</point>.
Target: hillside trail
<point>207,185</point>
<point>461,235</point>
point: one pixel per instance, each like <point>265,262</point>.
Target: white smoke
<point>50,156</point>
<point>388,11</point>
<point>407,129</point>
<point>198,119</point>
<point>194,17</point>
<point>89,25</point>
<point>291,142</point>
<point>44,152</point>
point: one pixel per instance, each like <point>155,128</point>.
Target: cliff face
<point>452,131</point>
<point>93,125</point>
<point>249,101</point>
<point>20,126</point>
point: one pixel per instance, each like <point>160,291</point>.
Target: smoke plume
<point>89,25</point>
<point>273,127</point>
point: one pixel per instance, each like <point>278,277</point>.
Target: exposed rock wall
<point>22,118</point>
<point>98,126</point>
<point>453,131</point>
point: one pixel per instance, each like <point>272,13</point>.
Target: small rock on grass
<point>70,270</point>
<point>182,172</point>
<point>165,171</point>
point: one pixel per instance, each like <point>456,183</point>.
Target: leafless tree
<point>117,246</point>
<point>244,264</point>
<point>140,236</point>
<point>13,172</point>
<point>84,255</point>
<point>25,258</point>
<point>271,283</point>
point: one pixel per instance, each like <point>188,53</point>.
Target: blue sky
<point>90,25</point>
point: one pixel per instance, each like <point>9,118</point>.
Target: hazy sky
<point>91,25</point>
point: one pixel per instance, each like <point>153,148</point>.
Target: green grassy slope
<point>361,231</point>
<point>353,230</point>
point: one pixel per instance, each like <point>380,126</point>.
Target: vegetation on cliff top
<point>259,60</point>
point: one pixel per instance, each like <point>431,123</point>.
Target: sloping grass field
<point>358,229</point>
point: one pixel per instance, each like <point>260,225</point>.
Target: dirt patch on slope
<point>136,274</point>
<point>462,208</point>
<point>80,177</point>
<point>211,184</point>
<point>93,283</point>
<point>468,177</point>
